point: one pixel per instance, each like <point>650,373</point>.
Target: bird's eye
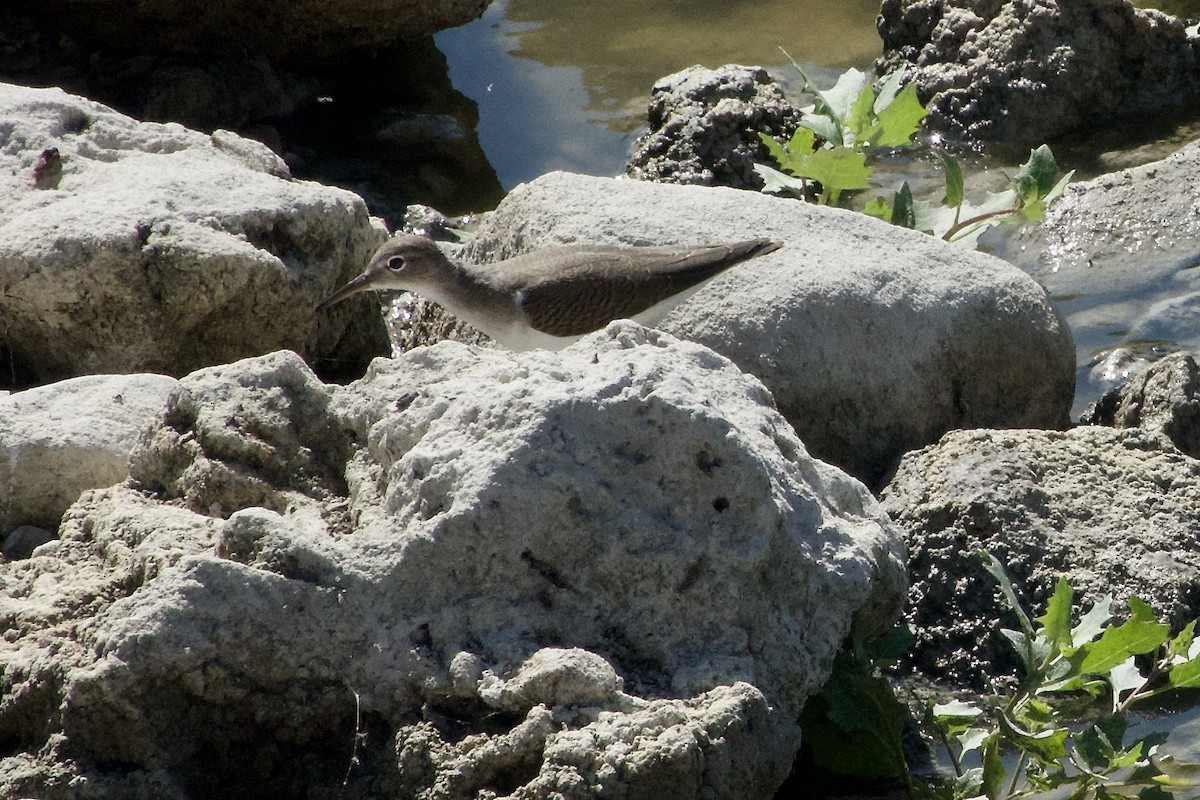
<point>395,263</point>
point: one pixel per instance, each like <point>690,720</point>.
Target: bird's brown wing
<point>579,289</point>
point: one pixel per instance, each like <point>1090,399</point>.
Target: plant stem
<point>966,223</point>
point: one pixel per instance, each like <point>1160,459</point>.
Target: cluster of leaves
<point>859,713</point>
<point>1094,657</point>
<point>829,155</point>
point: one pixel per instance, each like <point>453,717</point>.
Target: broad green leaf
<point>1055,624</point>
<point>903,212</point>
<point>1036,177</point>
<point>992,780</point>
<point>859,120</point>
<point>1141,611</point>
<point>1095,746</point>
<point>840,98</point>
<point>889,646</point>
<point>1132,638</point>
<point>1125,677</point>
<point>826,129</point>
<point>1182,642</point>
<point>1185,675</point>
<point>956,709</point>
<point>889,89</point>
<point>776,182</point>
<point>899,122</point>
<point>1048,745</point>
<point>973,738</point>
<point>954,180</point>
<point>878,208</point>
<point>1092,623</point>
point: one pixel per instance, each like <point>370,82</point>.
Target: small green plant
<point>1050,759</point>
<point>829,154</point>
<point>1035,186</point>
<point>836,133</point>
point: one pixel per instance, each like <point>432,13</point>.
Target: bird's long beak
<point>360,284</point>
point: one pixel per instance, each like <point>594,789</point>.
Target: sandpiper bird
<point>550,298</point>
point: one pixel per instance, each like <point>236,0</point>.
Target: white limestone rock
<point>141,247</point>
<point>608,571</point>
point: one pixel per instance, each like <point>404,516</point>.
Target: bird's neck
<point>470,296</point>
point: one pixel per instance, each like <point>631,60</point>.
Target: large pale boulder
<point>874,340</point>
<point>1114,511</point>
<point>1027,71</point>
<point>611,571</point>
<point>140,247</point>
<point>58,440</point>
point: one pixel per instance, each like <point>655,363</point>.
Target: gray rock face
<point>1162,398</point>
<point>704,127</point>
<point>1025,72</point>
<point>612,571</point>
<point>1115,511</point>
<point>1121,249</point>
<point>280,29</point>
<point>872,339</point>
<point>58,440</point>
<point>139,247</point>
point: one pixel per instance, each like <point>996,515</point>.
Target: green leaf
<point>1179,646</point>
<point>902,208</point>
<point>956,709</point>
<point>1093,622</point>
<point>1125,677</point>
<point>954,180</point>
<point>889,89</point>
<point>860,118</point>
<point>973,738</point>
<point>899,122</point>
<point>992,779</point>
<point>776,182</point>
<point>1036,177</point>
<point>878,208</point>
<point>1056,622</point>
<point>825,128</point>
<point>1133,638</point>
<point>1185,675</point>
<point>1047,745</point>
<point>996,570</point>
<point>837,101</point>
<point>855,726</point>
<point>1141,611</point>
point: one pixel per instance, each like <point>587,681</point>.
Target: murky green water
<point>565,85</point>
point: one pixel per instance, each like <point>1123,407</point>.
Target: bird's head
<point>407,263</point>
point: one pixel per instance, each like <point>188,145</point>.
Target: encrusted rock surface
<point>1163,397</point>
<point>1113,511</point>
<point>1026,71</point>
<point>704,127</point>
<point>140,247</point>
<point>613,571</point>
